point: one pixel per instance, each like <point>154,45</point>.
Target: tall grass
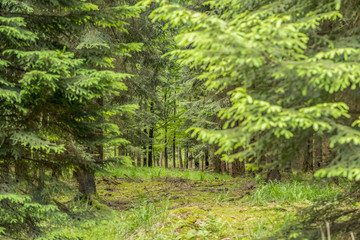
<point>157,172</point>
<point>300,192</point>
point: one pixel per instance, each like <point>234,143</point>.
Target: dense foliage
<point>234,86</point>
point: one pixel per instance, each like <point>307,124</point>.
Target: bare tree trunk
<point>196,163</point>
<point>308,156</point>
<point>174,150</point>
<point>144,157</point>
<point>180,158</point>
<point>166,156</point>
<point>216,159</point>
<point>190,160</point>
<point>186,157</point>
<point>138,156</point>
<point>161,159</point>
<point>151,136</point>
<point>223,166</point>
<point>272,174</point>
<point>238,168</point>
<point>206,159</point>
<point>86,181</point>
<point>202,163</point>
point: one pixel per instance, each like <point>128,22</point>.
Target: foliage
<point>285,68</point>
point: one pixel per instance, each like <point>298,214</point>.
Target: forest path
<point>217,207</point>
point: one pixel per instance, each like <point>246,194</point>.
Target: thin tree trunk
<point>144,157</point>
<point>114,151</point>
<point>190,160</point>
<point>196,163</point>
<point>161,159</point>
<point>308,157</point>
<point>174,150</point>
<point>187,157</point>
<point>180,158</point>
<point>216,159</point>
<point>206,159</point>
<point>223,166</point>
<point>138,156</point>
<point>151,136</point>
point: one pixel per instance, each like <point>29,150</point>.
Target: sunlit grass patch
<point>299,192</point>
<point>157,172</point>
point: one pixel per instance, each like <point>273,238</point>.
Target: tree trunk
<point>272,174</point>
<point>238,168</point>
<point>144,158</point>
<point>207,164</point>
<point>138,156</point>
<point>223,166</point>
<point>174,150</point>
<point>180,158</point>
<point>196,163</point>
<point>161,159</point>
<point>186,157</point>
<point>151,136</point>
<point>216,159</point>
<point>86,181</point>
<point>308,156</point>
<point>190,160</point>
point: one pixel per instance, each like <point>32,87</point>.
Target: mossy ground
<point>141,203</point>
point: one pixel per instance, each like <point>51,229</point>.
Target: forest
<point>179,119</point>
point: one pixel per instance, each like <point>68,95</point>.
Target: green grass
<point>157,172</point>
<point>300,192</point>
<point>207,206</point>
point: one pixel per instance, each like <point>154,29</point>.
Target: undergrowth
<point>300,192</point>
<point>157,172</point>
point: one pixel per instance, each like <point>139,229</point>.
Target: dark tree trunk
<point>308,156</point>
<point>86,181</point>
<point>186,157</point>
<point>138,156</point>
<point>196,163</point>
<point>274,173</point>
<point>190,160</point>
<point>114,151</point>
<point>238,168</point>
<point>4,171</point>
<point>174,150</point>
<point>216,160</point>
<point>207,164</point>
<point>151,136</point>
<point>180,158</point>
<point>223,166</point>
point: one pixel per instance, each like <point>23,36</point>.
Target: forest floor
<point>154,203</point>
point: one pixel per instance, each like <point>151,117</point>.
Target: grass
<point>157,172</point>
<point>164,204</point>
<point>300,192</point>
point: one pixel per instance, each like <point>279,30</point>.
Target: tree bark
<point>86,181</point>
<point>196,163</point>
<point>308,156</point>
<point>186,157</point>
<point>151,136</point>
<point>161,159</point>
<point>138,159</point>
<point>190,160</point>
<point>206,159</point>
<point>174,150</point>
<point>180,158</point>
